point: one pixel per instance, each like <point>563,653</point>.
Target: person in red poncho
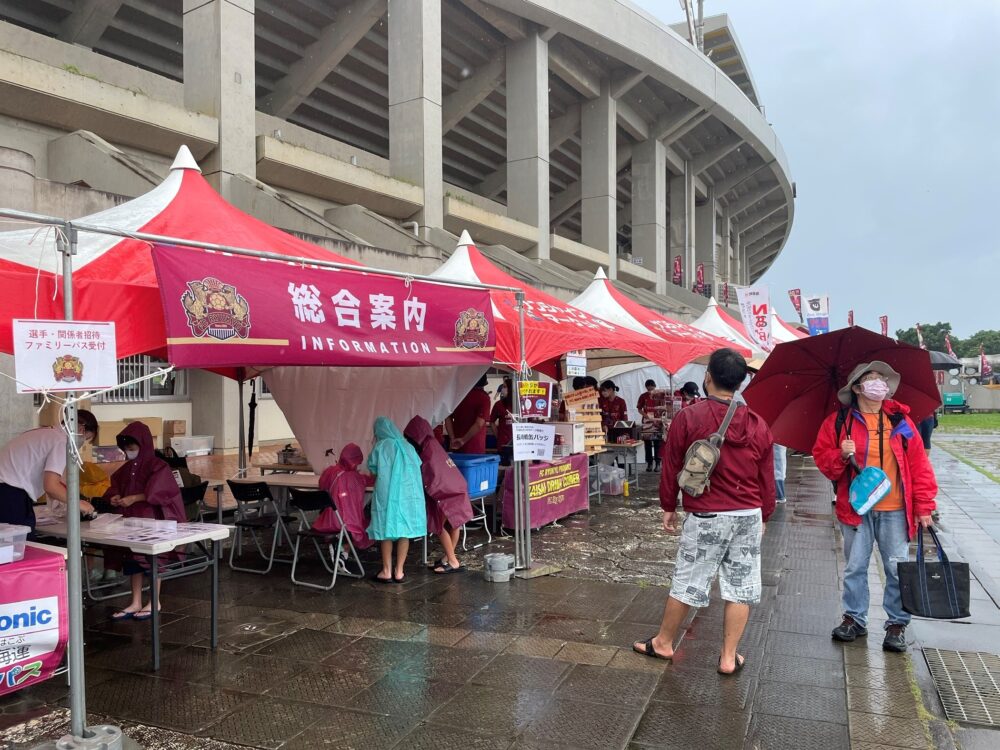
<point>445,490</point>
<point>144,487</point>
<point>346,486</point>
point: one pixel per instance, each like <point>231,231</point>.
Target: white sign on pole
<point>755,307</point>
<point>576,363</point>
<point>533,442</point>
<point>60,355</point>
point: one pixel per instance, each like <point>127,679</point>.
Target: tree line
<point>934,333</point>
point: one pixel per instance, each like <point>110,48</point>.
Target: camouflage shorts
<point>727,546</point>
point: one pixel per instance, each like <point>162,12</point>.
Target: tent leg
<point>243,436</point>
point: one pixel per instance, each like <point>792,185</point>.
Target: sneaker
<point>779,500</point>
<point>848,630</point>
<point>649,467</point>
<point>895,639</point>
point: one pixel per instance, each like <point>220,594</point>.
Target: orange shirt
<point>888,463</point>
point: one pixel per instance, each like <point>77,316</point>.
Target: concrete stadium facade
<point>565,136</point>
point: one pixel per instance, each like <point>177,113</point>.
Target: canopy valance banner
<point>226,310</point>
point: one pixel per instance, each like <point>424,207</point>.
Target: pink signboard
<point>233,311</point>
<point>555,490</point>
<point>34,621</point>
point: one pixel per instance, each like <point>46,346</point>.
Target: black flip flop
<point>740,663</point>
<point>648,650</point>
<point>437,563</point>
<point>379,579</point>
<point>446,569</point>
<point>401,579</point>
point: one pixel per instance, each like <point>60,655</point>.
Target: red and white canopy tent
<point>782,331</point>
<point>603,299</point>
<point>114,279</point>
<point>716,321</point>
<point>552,327</point>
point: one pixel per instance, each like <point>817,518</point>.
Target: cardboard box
<point>51,413</point>
<point>173,428</point>
<point>110,430</point>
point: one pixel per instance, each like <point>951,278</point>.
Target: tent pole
<point>522,367</point>
<point>80,734</point>
<point>243,436</point>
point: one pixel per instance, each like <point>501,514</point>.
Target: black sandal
<point>446,569</point>
<point>740,663</point>
<point>648,650</point>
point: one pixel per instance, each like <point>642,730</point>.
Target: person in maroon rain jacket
<point>445,491</point>
<point>346,486</point>
<point>721,534</point>
<point>144,487</point>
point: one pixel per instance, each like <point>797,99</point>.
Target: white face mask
<point>875,390</point>
<point>132,455</point>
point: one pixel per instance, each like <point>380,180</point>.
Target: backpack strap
<point>719,437</point>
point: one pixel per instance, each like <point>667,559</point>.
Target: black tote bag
<point>938,590</point>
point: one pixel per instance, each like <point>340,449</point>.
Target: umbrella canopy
<point>552,327</point>
<point>796,389</point>
<point>686,342</point>
<point>114,278</point>
<point>943,361</point>
<point>718,322</point>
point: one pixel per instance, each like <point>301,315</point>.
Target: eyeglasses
<point>874,376</point>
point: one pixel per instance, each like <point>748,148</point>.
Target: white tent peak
<point>466,239</point>
<point>712,302</point>
<point>185,160</point>
<point>600,273</point>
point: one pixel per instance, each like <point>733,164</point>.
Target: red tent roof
<point>113,278</point>
<point>552,327</point>
<point>685,342</point>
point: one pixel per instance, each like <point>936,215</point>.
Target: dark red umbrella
<point>796,389</point>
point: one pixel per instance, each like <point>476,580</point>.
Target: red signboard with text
<point>233,311</point>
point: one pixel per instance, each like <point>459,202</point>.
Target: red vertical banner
<point>947,343</point>
<point>678,270</point>
<point>985,368</point>
<point>850,318</point>
<point>795,295</point>
<point>699,278</point>
<point>884,320</point>
<point>725,293</point>
<point>920,337</point>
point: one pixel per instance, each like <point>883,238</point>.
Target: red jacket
<point>744,476</point>
<point>919,485</point>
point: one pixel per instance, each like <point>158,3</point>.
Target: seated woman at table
<point>445,490</point>
<point>143,487</point>
<point>398,513</point>
<point>346,486</point>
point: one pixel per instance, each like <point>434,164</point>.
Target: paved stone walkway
<point>455,662</point>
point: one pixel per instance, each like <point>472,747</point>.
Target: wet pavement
<point>454,661</point>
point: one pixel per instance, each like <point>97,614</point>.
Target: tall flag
<point>920,337</point>
<point>795,295</point>
<point>725,293</point>
<point>817,309</point>
<point>678,270</point>
<point>947,344</point>
<point>755,309</point>
<point>985,368</point>
<point>884,320</point>
<point>850,318</point>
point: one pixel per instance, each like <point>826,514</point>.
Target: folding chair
<point>193,498</point>
<point>252,501</point>
<point>479,511</point>
<point>308,501</point>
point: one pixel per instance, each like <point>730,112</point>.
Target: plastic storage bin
<point>498,567</point>
<point>12,539</point>
<point>612,479</point>
<point>195,445</point>
<point>480,472</point>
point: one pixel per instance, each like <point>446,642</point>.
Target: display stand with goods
<point>582,407</point>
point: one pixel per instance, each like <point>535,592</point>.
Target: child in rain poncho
<point>398,512</point>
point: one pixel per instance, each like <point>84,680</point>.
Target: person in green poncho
<point>398,512</point>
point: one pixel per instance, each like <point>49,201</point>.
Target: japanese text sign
<point>755,307</point>
<point>576,363</point>
<point>555,490</point>
<point>533,441</point>
<point>34,622</point>
<point>60,355</point>
<point>232,311</point>
<point>535,398</point>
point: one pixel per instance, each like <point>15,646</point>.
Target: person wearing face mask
<point>34,464</point>
<point>649,408</point>
<point>143,487</point>
<point>874,430</point>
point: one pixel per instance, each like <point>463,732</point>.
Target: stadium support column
<point>219,80</point>
<point>599,175</point>
<point>705,237</point>
<point>415,102</point>
<point>528,137</point>
<point>726,261</point>
<point>682,223</point>
<point>649,209</point>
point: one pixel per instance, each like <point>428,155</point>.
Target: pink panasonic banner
<point>233,311</point>
<point>34,620</point>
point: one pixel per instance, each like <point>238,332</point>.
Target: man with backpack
<point>872,430</point>
<point>718,456</point>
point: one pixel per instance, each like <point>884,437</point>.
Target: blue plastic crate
<point>480,472</point>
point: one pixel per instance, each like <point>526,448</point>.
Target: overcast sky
<point>890,115</point>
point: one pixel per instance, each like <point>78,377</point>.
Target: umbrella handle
<point>854,462</point>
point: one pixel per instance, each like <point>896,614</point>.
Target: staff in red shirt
<point>467,424</point>
<point>688,394</point>
<point>502,420</point>
<point>613,407</point>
